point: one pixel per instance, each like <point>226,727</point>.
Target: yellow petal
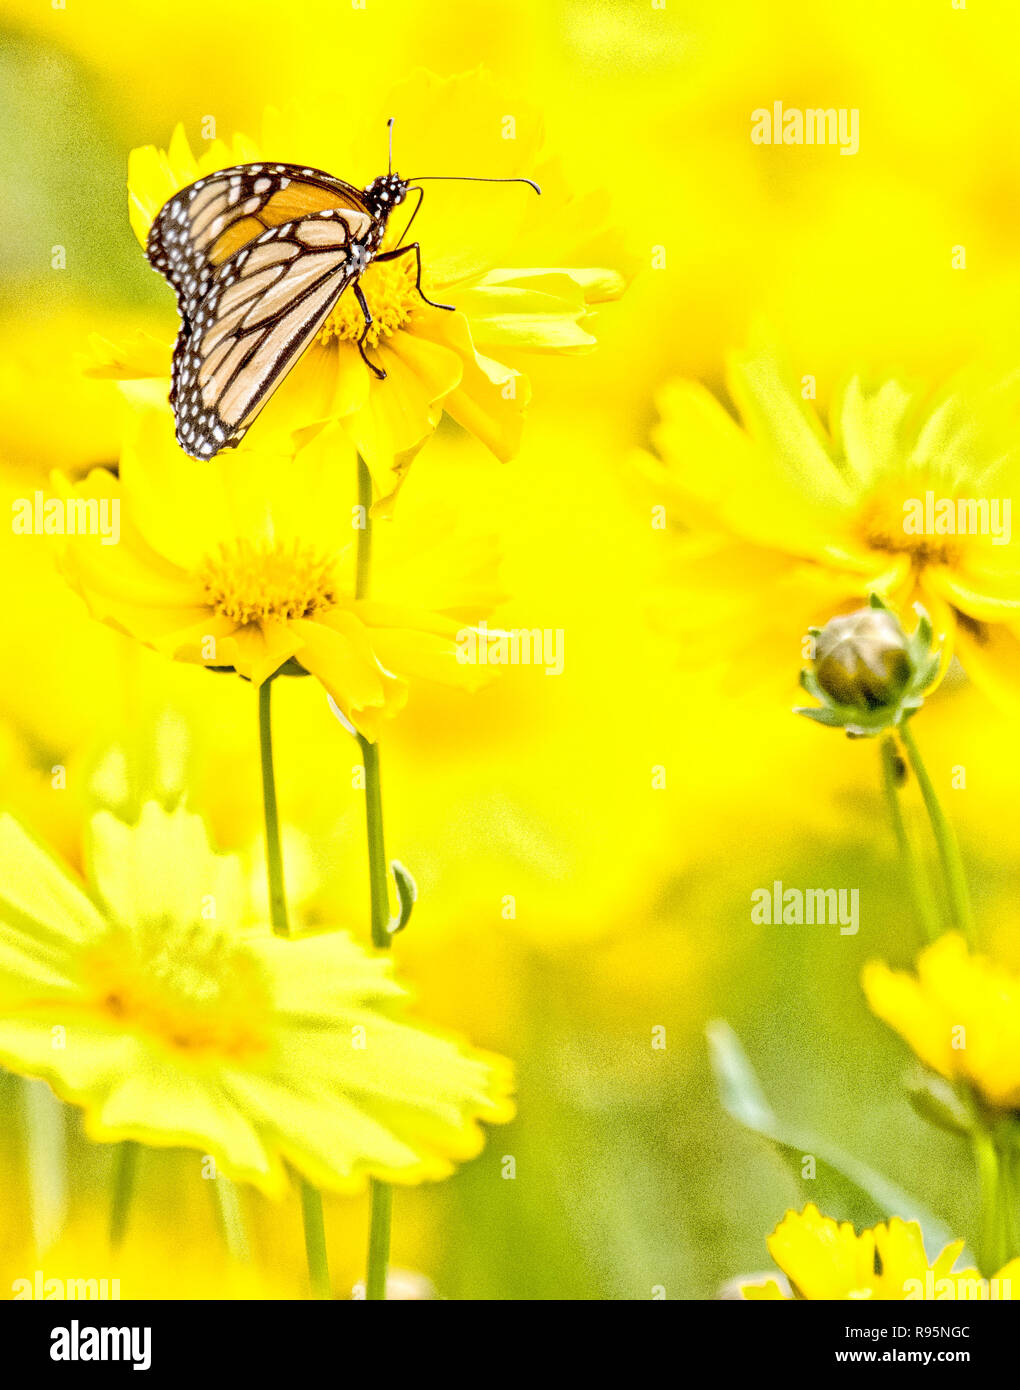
<point>490,399</point>
<point>534,310</point>
<point>403,410</point>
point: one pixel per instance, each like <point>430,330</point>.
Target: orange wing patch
<point>203,226</point>
<point>299,199</point>
<point>237,236</point>
<point>289,204</point>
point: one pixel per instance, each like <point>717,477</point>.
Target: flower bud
<point>868,674</point>
<point>862,659</point>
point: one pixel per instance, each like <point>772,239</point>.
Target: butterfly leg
<point>367,314</point>
<point>402,251</point>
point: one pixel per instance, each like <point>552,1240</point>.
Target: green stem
<point>378,879</point>
<point>364,565</point>
<point>379,1241</point>
<point>228,1207</point>
<point>945,838</point>
<point>315,1241</point>
<point>46,1152</point>
<point>1007,1187</point>
<point>311,1201</point>
<point>920,888</point>
<point>378,871</point>
<point>992,1237</point>
<point>274,855</point>
<point>125,1167</point>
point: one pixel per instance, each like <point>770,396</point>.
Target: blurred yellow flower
<point>42,360</point>
<point>435,361</point>
<point>960,1014</point>
<point>907,495</point>
<point>171,1023</point>
<point>826,1260</point>
<point>248,560</point>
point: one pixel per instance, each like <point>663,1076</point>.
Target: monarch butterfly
<point>258,255</point>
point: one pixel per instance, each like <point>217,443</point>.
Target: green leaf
<point>842,1188</point>
<point>935,1101</point>
<point>407,894</point>
<point>827,717</point>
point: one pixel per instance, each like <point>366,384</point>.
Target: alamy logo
<point>793,906</point>
<point>814,126</point>
<point>40,515</point>
<point>40,1287</point>
<point>959,516</point>
<point>957,1289</point>
<point>77,1343</point>
<point>519,646</point>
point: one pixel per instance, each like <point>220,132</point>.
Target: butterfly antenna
<point>390,125</point>
<point>470,178</point>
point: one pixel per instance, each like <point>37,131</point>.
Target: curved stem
<point>945,837</point>
<point>311,1201</point>
<point>378,879</point>
<point>125,1167</point>
<point>920,888</point>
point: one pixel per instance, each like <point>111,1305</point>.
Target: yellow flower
<point>172,1022</point>
<point>789,524</point>
<point>826,1260</point>
<point>960,1014</point>
<point>248,560</point>
<point>510,269</point>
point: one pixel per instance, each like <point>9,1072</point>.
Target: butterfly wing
<point>203,225</point>
<point>246,318</point>
<point>260,311</point>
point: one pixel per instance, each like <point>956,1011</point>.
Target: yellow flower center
<point>881,524</point>
<point>251,582</point>
<point>195,988</point>
<point>392,299</point>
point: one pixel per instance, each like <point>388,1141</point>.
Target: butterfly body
<point>258,256</point>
